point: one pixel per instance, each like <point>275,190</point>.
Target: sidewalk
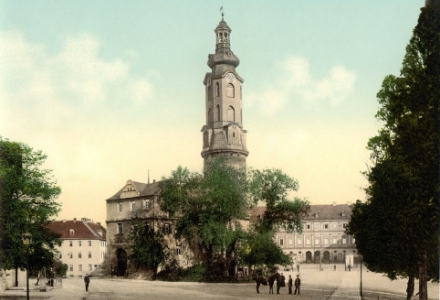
<point>71,289</point>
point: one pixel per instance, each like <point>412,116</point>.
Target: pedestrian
<point>87,281</point>
<point>297,285</point>
<point>281,282</point>
<point>290,284</point>
<point>334,268</point>
<point>297,267</point>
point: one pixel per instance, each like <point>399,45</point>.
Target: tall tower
<point>223,134</point>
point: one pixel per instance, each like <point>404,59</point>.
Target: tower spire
<point>223,14</point>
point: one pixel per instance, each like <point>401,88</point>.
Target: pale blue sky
<point>111,89</point>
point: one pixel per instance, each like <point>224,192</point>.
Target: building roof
<point>83,229</point>
<point>142,189</point>
<point>316,212</point>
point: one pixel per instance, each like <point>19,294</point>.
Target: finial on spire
<point>148,176</point>
<point>221,9</point>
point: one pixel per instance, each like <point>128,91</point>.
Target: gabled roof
<point>78,229</point>
<point>144,189</point>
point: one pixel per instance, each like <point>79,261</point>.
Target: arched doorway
<point>317,257</point>
<point>326,258</point>
<point>308,257</point>
<point>121,257</point>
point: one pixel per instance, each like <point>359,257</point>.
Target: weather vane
<point>221,9</point>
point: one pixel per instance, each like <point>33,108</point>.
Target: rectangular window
<point>344,241</point>
<point>133,205</point>
<point>90,243</point>
<point>70,243</point>
<point>290,242</point>
<point>79,255</point>
<point>70,255</point>
<point>120,228</point>
<point>307,241</point>
<point>344,225</point>
<point>71,268</point>
<point>316,241</point>
<point>90,255</point>
<point>335,225</point>
<point>281,242</point>
<point>178,251</point>
<point>147,204</point>
<point>325,241</point>
<point>325,226</point>
<point>335,241</point>
<point>120,206</point>
<point>60,256</point>
<point>353,240</point>
<point>308,226</point>
<point>166,228</point>
<point>80,268</point>
<point>300,241</point>
<point>90,268</point>
<point>79,243</point>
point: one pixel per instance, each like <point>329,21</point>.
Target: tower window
<point>217,89</point>
<point>218,112</point>
<point>231,91</point>
<point>231,114</point>
<point>119,228</point>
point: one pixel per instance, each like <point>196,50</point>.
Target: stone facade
<point>323,239</point>
<point>139,199</point>
<point>223,133</point>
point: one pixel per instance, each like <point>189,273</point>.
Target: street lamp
<point>360,282</point>
<point>27,240</point>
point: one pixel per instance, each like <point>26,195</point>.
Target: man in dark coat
<point>87,281</point>
<point>281,282</point>
<point>290,284</point>
<point>297,285</point>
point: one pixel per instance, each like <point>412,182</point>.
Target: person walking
<point>297,285</point>
<point>87,282</point>
<point>290,284</point>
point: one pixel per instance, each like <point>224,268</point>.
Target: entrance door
<point>121,256</point>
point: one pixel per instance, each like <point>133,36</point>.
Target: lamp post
<point>360,282</point>
<point>27,240</point>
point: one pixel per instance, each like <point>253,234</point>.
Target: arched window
<point>231,90</point>
<point>218,112</point>
<point>210,116</point>
<point>231,114</point>
<point>217,89</point>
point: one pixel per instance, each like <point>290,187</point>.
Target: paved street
<point>326,284</point>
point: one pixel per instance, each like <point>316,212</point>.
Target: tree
<point>208,207</point>
<point>403,197</point>
<point>260,249</point>
<point>147,246</point>
<point>272,187</point>
<point>27,199</point>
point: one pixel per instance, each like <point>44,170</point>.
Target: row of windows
<point>70,255</point>
<point>325,226</point>
<point>89,243</point>
<point>317,241</point>
<point>145,205</point>
<point>80,268</point>
<point>230,90</point>
<point>166,228</point>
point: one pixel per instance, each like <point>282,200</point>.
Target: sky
<point>113,90</point>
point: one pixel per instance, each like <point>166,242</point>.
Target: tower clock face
<point>230,77</point>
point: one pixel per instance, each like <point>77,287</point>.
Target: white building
<point>83,245</point>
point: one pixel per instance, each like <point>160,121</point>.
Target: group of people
<point>281,283</point>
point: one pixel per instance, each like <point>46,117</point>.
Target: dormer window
<point>71,232</point>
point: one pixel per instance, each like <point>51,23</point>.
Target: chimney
<point>74,220</point>
<point>334,203</point>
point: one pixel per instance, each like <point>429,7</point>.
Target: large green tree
<point>273,188</point>
<point>27,199</point>
<point>396,229</point>
<point>209,208</point>
<point>148,251</point>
